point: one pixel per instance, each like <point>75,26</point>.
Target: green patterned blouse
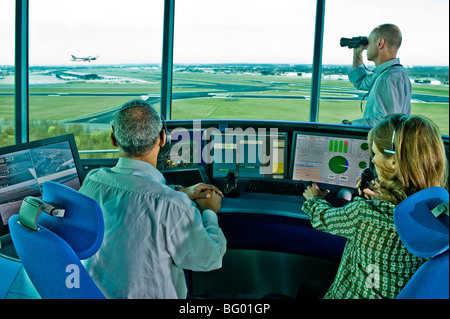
<point>375,263</point>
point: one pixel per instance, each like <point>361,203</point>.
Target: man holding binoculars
<point>389,85</point>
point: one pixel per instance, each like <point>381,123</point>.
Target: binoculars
<point>354,42</point>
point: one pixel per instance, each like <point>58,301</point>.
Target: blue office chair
<point>51,245</point>
<point>422,224</point>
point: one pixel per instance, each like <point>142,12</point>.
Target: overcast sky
<point>221,31</point>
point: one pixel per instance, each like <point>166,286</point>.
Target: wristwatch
<point>177,187</point>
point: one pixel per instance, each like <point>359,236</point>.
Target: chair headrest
<point>82,216</point>
<point>423,232</point>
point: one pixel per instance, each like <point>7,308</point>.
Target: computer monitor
<point>329,158</point>
<point>253,154</point>
<point>184,150</point>
<point>24,167</point>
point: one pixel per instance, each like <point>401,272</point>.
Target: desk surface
<point>281,205</point>
<point>272,204</point>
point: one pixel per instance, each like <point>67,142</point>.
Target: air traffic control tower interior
<point>262,166</point>
<point>263,173</point>
<point>260,215</point>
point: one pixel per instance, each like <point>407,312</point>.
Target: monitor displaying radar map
<point>329,159</point>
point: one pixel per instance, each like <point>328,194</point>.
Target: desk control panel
<point>279,200</point>
<point>274,186</point>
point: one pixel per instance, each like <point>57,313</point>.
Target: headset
<point>402,119</point>
<point>164,128</point>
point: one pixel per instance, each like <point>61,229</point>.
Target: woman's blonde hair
<point>418,150</point>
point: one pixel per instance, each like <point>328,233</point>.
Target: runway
<point>246,90</point>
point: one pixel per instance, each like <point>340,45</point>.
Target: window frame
<point>21,89</point>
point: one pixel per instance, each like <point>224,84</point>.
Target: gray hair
<point>136,127</point>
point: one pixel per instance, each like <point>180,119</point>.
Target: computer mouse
<point>345,194</point>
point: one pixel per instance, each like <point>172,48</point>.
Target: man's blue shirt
<point>389,89</point>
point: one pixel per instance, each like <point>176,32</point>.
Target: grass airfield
<point>206,96</point>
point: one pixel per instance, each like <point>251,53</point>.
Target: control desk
<point>263,172</point>
<point>266,170</point>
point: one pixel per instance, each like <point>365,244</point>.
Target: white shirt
<point>152,233</point>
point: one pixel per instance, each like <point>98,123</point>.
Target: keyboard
<point>273,186</point>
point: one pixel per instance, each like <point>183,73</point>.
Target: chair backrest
<point>430,281</point>
<point>51,250</point>
<point>422,223</point>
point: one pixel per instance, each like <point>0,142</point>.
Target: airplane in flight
<point>86,59</point>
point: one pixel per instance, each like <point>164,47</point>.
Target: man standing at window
<point>389,85</point>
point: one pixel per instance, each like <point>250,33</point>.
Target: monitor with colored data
<point>329,159</point>
<point>24,167</point>
<point>250,153</point>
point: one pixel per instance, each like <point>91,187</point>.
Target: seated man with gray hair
<point>152,232</point>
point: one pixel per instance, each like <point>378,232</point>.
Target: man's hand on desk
<point>211,202</point>
<point>201,190</point>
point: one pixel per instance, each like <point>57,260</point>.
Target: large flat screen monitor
<point>24,167</point>
<point>254,154</point>
<point>329,158</point>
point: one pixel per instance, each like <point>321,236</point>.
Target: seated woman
<point>408,154</point>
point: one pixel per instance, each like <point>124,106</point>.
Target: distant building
<point>427,81</point>
<point>335,77</point>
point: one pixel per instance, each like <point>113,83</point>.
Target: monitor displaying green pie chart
<point>338,164</point>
